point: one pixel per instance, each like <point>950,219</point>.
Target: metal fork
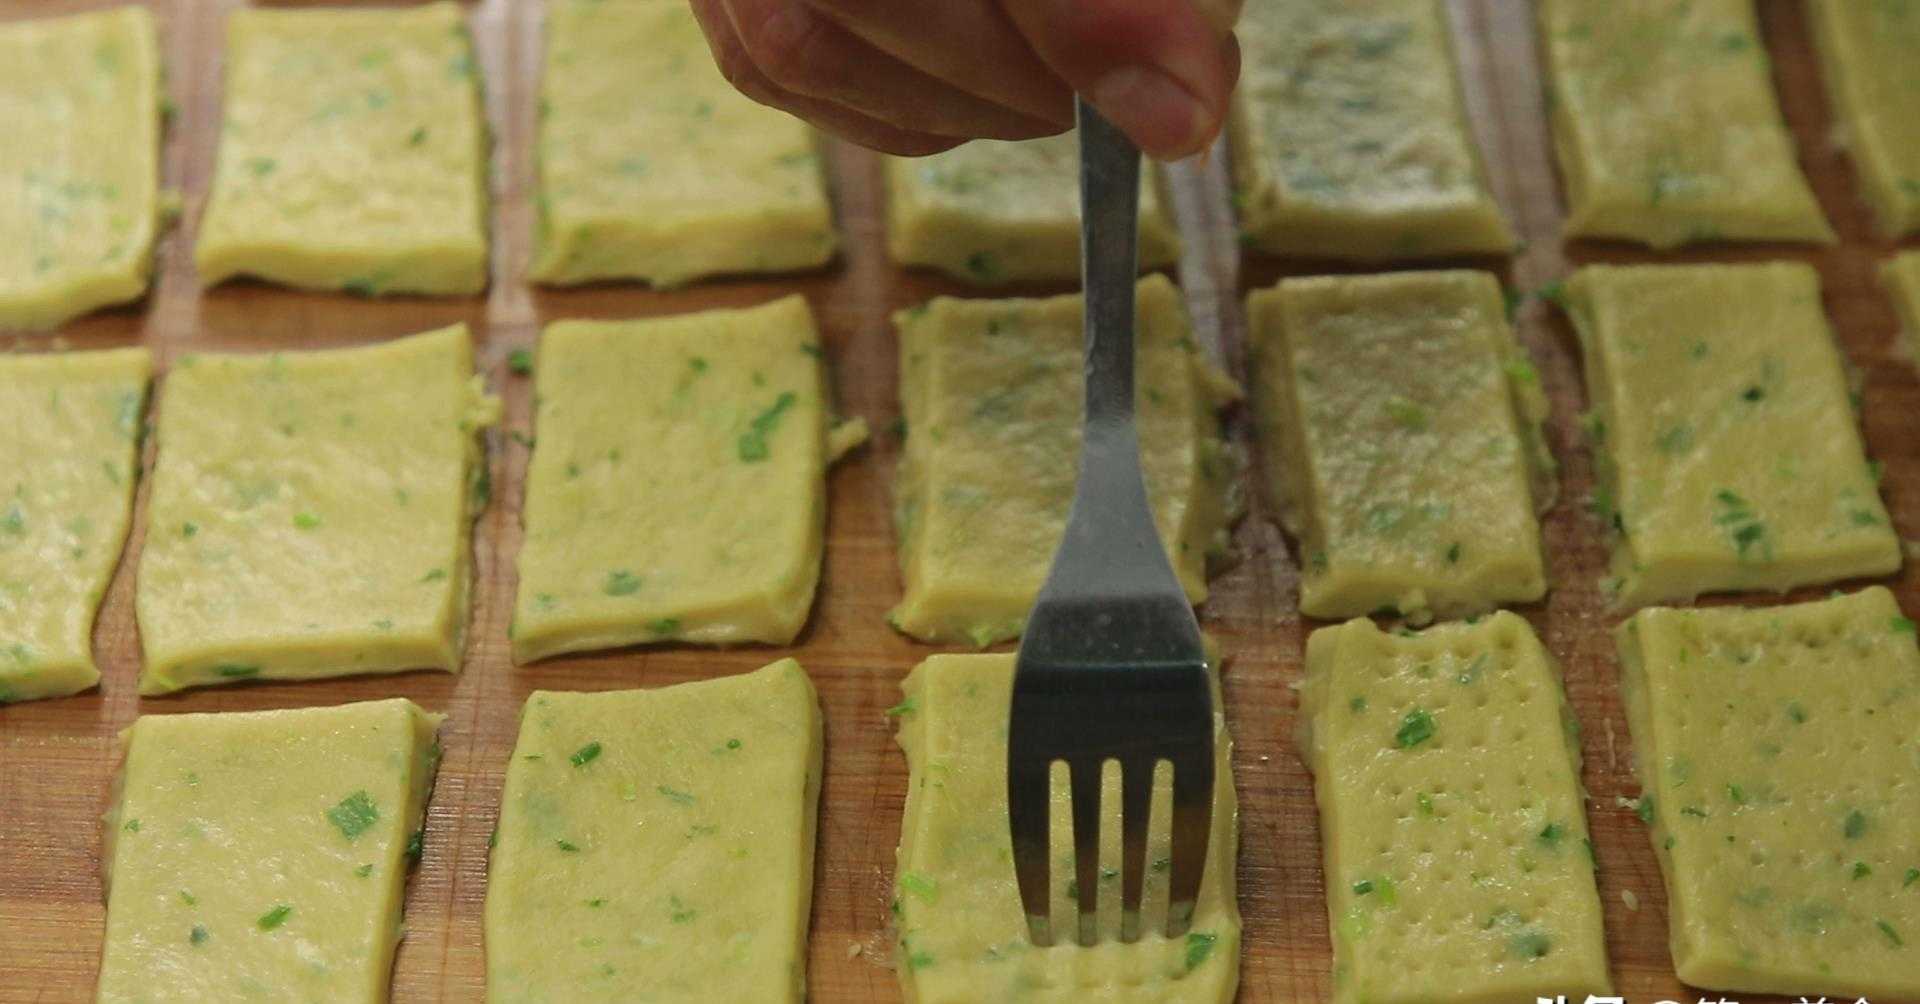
<point>1110,666</point>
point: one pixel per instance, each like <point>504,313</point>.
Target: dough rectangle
<point>68,463</point>
<point>658,844</point>
<point>1665,125</point>
<point>1349,135</point>
<point>991,391</point>
<point>353,153</point>
<point>264,854</point>
<point>80,166</point>
<point>1867,54</point>
<point>1727,453</point>
<point>1401,422</point>
<point>653,167</point>
<point>993,212</point>
<point>1901,277</point>
<point>1446,768</point>
<point>1775,746</point>
<point>962,932</point>
<point>310,513</point>
<point>677,487</point>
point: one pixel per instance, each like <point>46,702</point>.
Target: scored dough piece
<point>994,212</point>
<point>262,855</point>
<point>653,167</point>
<point>1401,422</point>
<point>1901,276</point>
<point>1776,747</point>
<point>677,487</point>
<point>1665,125</point>
<point>1726,451</point>
<point>310,513</point>
<point>658,844</point>
<point>1446,767</point>
<point>962,931</point>
<point>353,154</point>
<point>1349,135</point>
<point>81,164</point>
<point>1867,55</point>
<point>991,392</point>
<point>67,467</point>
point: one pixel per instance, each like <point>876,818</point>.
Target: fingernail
<point>1161,116</point>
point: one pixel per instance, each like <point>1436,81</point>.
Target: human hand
<point>914,77</point>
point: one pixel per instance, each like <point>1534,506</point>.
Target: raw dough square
<point>1401,423</point>
<point>1726,450</point>
<point>993,212</point>
<point>1447,770</point>
<point>653,167</point>
<point>1867,52</point>
<point>1901,276</point>
<point>962,933</point>
<point>1666,128</point>
<point>658,844</point>
<point>263,855</point>
<point>80,166</point>
<point>67,468</point>
<point>991,392</point>
<point>310,513</point>
<point>353,154</point>
<point>1776,747</point>
<point>677,488</point>
<point>1350,138</point>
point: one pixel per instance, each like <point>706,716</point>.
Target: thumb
<point>1158,69</point>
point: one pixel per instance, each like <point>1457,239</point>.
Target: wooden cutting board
<point>56,757</point>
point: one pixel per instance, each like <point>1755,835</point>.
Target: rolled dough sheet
<point>1867,53</point>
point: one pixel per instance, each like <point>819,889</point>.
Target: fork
<point>1111,665</point>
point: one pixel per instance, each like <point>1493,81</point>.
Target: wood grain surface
<point>56,757</point>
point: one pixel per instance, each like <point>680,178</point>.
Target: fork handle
<point>1109,223</point>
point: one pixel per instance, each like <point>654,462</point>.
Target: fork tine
<point>1136,801</point>
<point>1192,823</point>
<point>1085,788</point>
<point>1028,788</point>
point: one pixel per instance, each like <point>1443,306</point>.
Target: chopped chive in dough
<point>1415,728</point>
<point>1855,826</point>
<point>233,670</point>
<point>520,361</point>
<point>275,917</point>
<point>1736,793</point>
<point>585,754</point>
<point>1551,834</point>
<point>903,708</point>
<point>678,912</point>
<point>1796,713</point>
<point>189,898</point>
<point>733,744</point>
<point>1406,414</point>
<point>621,583</point>
<point>260,167</point>
<point>677,797</point>
<point>198,936</point>
<point>416,845</point>
<point>595,904</point>
<point>364,870</point>
<point>1861,870</point>
<point>1644,808</point>
<point>664,625</point>
<point>567,845</point>
<point>1893,936</point>
<point>1902,625</point>
<point>1199,947</point>
<point>1363,887</point>
<point>132,826</point>
<point>752,446</point>
<point>920,886</point>
<point>354,814</point>
<point>434,575</point>
<point>306,520</point>
<point>1530,945</point>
